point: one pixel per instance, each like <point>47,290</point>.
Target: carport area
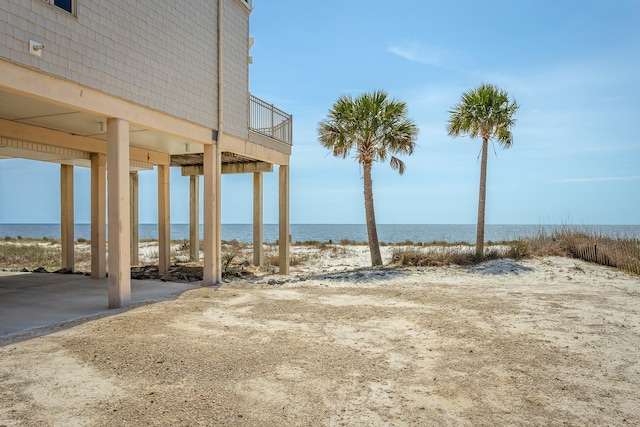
<point>42,300</point>
<point>60,121</point>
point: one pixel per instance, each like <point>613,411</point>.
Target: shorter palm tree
<point>375,128</point>
<point>484,112</point>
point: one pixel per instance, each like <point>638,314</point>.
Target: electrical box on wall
<point>35,48</point>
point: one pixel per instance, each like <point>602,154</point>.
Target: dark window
<point>64,4</point>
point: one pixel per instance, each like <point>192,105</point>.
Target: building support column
<point>218,210</point>
<point>98,216</point>
<point>283,222</point>
<point>164,223</point>
<point>135,234</point>
<point>194,218</point>
<point>66,216</point>
<point>258,227</point>
<point>211,243</point>
<point>119,216</point>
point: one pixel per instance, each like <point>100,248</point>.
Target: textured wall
<point>153,52</point>
<point>235,43</point>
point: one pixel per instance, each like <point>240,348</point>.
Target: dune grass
<point>621,253</point>
<point>32,254</point>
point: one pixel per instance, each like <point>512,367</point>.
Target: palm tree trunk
<point>481,200</point>
<point>372,232</point>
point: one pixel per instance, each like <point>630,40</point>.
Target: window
<point>67,5</point>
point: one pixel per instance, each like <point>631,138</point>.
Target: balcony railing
<point>268,120</point>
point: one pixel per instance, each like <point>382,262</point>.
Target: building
<point>130,85</point>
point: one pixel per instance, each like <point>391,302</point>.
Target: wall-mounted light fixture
<point>35,48</point>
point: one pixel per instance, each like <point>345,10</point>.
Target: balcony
<point>270,121</point>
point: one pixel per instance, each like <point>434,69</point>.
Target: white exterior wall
<point>155,53</point>
<point>236,69</point>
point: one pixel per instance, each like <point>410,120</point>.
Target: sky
<point>573,66</point>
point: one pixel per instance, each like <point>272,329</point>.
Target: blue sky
<point>573,67</point>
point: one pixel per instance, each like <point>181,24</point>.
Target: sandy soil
<point>548,341</point>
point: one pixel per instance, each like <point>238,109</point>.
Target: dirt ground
<point>547,341</point>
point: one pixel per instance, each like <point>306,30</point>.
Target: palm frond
<point>397,164</point>
<point>372,126</point>
<point>484,112</point>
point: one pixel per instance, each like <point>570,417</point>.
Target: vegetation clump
<point>350,242</point>
<point>621,253</point>
<point>433,256</point>
<point>36,254</point>
<point>273,259</point>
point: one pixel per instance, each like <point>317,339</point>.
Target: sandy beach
<point>543,341</point>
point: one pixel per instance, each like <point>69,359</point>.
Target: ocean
<point>387,233</point>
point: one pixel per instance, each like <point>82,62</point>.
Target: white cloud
<point>422,54</point>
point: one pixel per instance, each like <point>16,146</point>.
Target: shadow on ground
<point>499,267</point>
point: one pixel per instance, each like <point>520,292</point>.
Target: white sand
<point>550,341</point>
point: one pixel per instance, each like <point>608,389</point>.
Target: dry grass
<point>621,253</point>
<point>272,258</point>
<point>32,254</point>
<point>433,257</point>
<point>312,243</point>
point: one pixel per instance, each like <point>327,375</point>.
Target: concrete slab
<point>37,300</point>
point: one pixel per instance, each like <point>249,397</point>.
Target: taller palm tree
<point>484,112</point>
<point>374,128</point>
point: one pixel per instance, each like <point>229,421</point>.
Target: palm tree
<point>484,112</point>
<point>374,128</point>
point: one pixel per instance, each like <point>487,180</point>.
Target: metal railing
<point>268,120</point>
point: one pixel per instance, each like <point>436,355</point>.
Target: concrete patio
<point>40,300</point>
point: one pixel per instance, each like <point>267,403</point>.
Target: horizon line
<point>345,223</point>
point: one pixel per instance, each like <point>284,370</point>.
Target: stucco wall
<point>156,53</point>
